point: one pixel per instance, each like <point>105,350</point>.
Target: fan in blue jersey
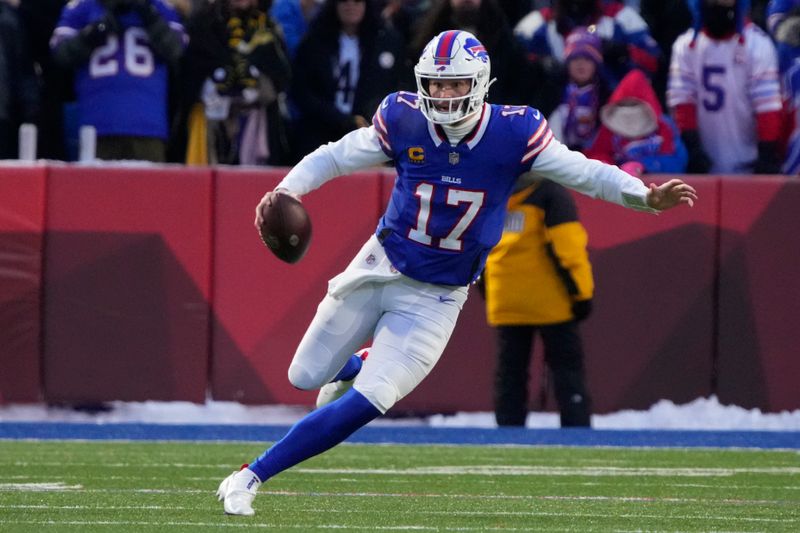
<point>457,159</point>
<point>121,50</point>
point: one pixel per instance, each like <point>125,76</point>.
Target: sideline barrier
<point>650,336</point>
<point>759,295</point>
<point>156,286</point>
<point>21,229</point>
<point>126,284</point>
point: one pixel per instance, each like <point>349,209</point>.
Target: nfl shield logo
<point>453,158</point>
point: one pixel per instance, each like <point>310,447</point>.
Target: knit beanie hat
<point>583,43</point>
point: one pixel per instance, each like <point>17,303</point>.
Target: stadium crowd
<point>656,85</point>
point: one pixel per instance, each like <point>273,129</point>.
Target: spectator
<point>667,19</point>
<point>724,93</point>
<point>346,63</point>
<point>404,15</point>
<point>626,39</point>
<point>792,98</point>
<point>635,133</point>
<point>39,19</point>
<point>121,51</point>
<point>19,92</point>
<point>576,120</point>
<point>783,23</point>
<point>293,16</point>
<point>538,279</point>
<point>487,22</point>
<point>515,9</point>
<point>235,76</point>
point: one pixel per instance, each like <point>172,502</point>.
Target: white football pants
<point>409,321</point>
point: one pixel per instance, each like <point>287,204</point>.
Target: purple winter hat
<point>581,42</point>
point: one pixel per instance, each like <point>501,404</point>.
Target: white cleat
<point>330,392</point>
<point>237,492</point>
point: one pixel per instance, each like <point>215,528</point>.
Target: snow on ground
<point>700,414</point>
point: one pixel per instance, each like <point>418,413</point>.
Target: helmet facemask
<point>453,55</point>
<point>452,109</point>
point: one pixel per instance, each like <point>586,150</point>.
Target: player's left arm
<point>608,182</point>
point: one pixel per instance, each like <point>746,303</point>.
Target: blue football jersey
<point>122,90</point>
<point>448,204</point>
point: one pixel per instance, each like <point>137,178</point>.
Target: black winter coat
<point>313,89</point>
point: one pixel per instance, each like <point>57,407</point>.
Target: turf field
<point>90,486</point>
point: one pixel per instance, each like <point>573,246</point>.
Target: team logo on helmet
<point>476,49</point>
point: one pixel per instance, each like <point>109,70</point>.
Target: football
<point>286,229</point>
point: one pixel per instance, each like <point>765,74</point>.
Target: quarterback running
<point>458,159</point>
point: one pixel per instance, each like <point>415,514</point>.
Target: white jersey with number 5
<point>728,81</point>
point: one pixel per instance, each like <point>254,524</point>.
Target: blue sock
<point>350,369</point>
<point>315,433</point>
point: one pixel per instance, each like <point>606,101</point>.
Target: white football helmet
<point>453,54</point>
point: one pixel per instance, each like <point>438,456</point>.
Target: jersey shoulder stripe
<point>379,123</point>
<point>539,136</point>
<point>392,116</point>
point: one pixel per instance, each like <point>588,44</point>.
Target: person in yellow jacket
<point>538,278</point>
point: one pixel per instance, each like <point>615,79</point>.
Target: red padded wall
<point>759,312</point>
<point>127,282</point>
<point>651,334</point>
<point>130,253</point>
<point>21,223</point>
<point>262,305</point>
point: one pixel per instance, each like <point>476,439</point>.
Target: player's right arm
<point>357,150</point>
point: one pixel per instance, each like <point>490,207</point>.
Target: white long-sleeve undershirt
<point>361,149</point>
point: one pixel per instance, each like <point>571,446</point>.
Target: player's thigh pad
<point>409,339</point>
<point>340,327</point>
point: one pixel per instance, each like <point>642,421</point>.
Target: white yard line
<point>254,525</point>
<point>533,514</point>
<point>497,470</point>
<point>38,487</point>
<point>423,512</point>
<point>517,497</point>
<point>476,470</point>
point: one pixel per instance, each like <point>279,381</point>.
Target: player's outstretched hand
<point>673,192</point>
<point>267,200</point>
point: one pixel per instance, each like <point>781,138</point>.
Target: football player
<point>458,159</point>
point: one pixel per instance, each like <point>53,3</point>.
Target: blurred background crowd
<point>668,86</point>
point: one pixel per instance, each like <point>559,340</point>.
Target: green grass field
<point>165,486</point>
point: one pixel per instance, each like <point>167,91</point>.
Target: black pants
<point>563,353</point>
